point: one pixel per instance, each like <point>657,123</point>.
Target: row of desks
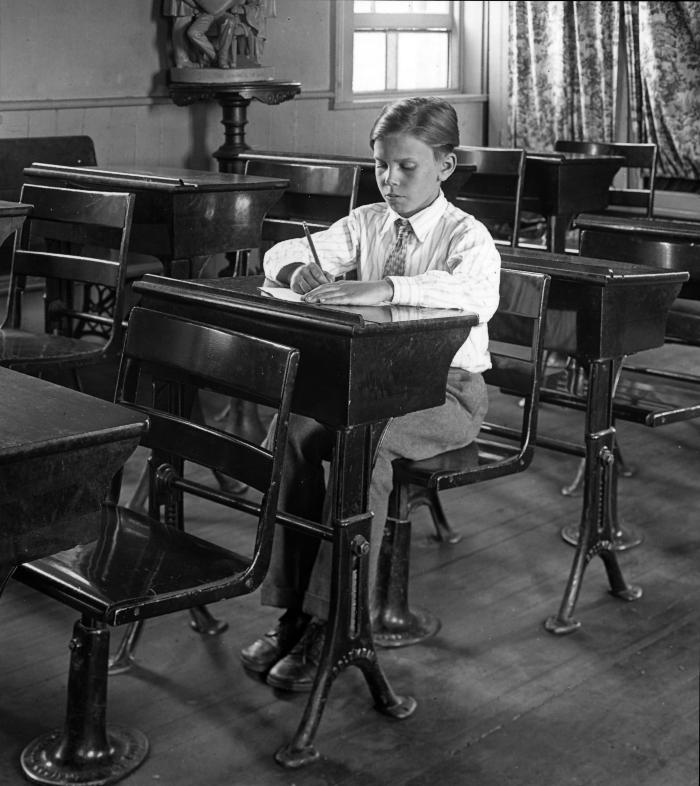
<point>608,310</point>
<point>557,186</point>
<point>603,311</point>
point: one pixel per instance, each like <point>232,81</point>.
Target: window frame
<point>467,53</point>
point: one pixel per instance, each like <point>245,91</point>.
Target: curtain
<point>563,76</point>
<point>562,66</point>
<point>663,62</point>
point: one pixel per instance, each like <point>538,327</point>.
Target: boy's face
<point>408,173</point>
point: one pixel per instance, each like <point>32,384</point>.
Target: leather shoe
<point>297,670</point>
<point>263,653</point>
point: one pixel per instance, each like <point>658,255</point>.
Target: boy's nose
<point>391,175</point>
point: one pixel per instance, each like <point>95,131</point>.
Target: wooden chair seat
<point>460,467</point>
<point>144,566</point>
<point>516,334</point>
<point>20,347</point>
<point>140,568</point>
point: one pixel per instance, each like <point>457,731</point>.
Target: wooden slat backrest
<point>318,193</point>
<point>17,154</point>
<point>515,332</point>
<point>182,356</point>
<point>493,194</point>
<point>76,236</point>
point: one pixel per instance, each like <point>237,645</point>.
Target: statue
<point>181,12</point>
<point>218,34</point>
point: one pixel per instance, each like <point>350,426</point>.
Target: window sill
<point>379,100</point>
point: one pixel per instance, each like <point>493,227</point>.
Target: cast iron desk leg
<point>349,635</point>
<point>599,515</point>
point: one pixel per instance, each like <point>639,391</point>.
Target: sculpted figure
<point>181,13</point>
<point>218,33</point>
<point>234,39</point>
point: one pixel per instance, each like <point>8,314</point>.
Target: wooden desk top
<point>169,179</point>
<point>180,215</point>
<point>14,209</point>
<point>671,229</point>
<point>601,309</point>
<point>12,216</point>
<point>600,272</point>
<point>561,159</point>
<point>358,364</point>
<point>59,450</point>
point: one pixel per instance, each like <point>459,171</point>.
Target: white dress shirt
<point>451,262</point>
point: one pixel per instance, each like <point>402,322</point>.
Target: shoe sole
<point>257,666</point>
<point>289,686</point>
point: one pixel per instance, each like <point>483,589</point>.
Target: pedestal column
<point>234,99</point>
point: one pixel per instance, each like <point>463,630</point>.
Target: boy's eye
<point>379,165</point>
<point>409,166</point>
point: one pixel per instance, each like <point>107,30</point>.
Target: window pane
<point>362,6</point>
<point>422,60</point>
<point>392,6</point>
<point>369,62</point>
<point>408,6</point>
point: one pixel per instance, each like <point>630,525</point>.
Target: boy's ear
<point>447,165</point>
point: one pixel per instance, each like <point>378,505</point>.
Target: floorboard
<point>501,701</point>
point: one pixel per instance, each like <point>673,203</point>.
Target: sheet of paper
<point>282,293</point>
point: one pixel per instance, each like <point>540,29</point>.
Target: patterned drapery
<point>562,67</point>
<point>663,56</point>
<point>563,71</point>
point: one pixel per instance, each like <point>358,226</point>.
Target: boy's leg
<point>302,491</point>
<point>414,436</point>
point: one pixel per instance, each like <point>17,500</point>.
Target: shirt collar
<point>421,222</point>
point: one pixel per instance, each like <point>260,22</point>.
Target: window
<point>401,47</point>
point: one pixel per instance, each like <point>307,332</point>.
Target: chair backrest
<point>72,239</point>
<point>167,361</point>
<point>516,336</point>
<point>319,193</point>
<point>493,194</point>
<point>637,195</point>
<point>18,153</point>
<point>367,192</point>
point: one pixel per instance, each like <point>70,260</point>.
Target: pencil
<point>311,243</point>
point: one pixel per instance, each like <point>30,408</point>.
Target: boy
<point>413,249</point>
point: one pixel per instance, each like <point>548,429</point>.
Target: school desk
<point>562,185</point>
<point>59,450</point>
<point>358,367</point>
<point>599,311</point>
<point>180,215</point>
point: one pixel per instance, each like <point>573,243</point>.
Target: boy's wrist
<point>390,295</point>
<point>284,275</point>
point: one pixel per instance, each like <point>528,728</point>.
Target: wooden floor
<point>500,700</point>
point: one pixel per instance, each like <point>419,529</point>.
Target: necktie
<point>396,261</point>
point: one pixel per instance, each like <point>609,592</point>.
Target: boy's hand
<point>352,293</point>
<point>308,277</point>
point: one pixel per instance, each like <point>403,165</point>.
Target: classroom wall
<point>99,67</point>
